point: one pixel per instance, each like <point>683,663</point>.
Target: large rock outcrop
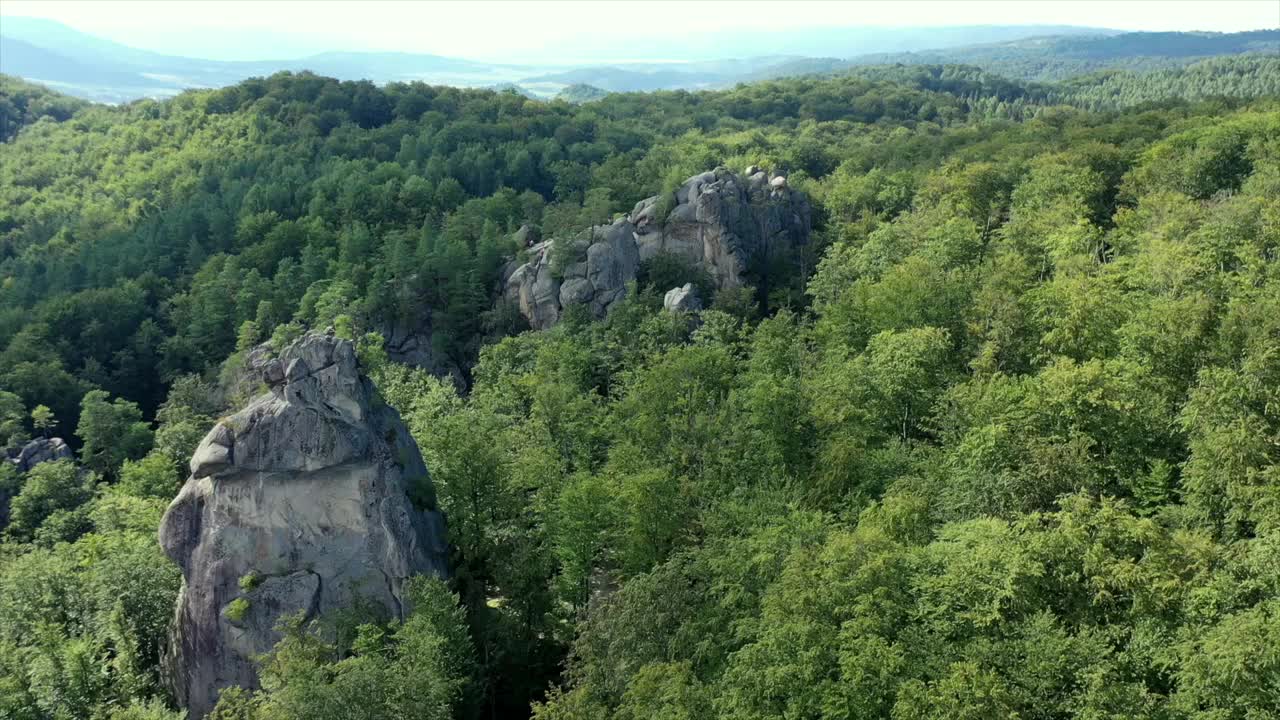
<point>719,220</point>
<point>312,498</point>
<point>41,450</point>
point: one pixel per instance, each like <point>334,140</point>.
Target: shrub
<point>237,609</point>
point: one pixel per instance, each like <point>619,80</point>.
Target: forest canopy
<point>1011,450</point>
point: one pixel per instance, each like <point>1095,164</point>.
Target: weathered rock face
<point>720,221</point>
<point>299,502</point>
<point>41,450</point>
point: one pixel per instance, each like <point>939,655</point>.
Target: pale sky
<point>506,30</point>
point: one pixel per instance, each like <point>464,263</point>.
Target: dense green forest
<point>23,103</point>
<point>1012,450</point>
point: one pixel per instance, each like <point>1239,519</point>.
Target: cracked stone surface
<point>300,502</point>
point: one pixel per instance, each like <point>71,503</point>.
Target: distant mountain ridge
<point>581,93</point>
<point>95,68</point>
<point>1057,58</point>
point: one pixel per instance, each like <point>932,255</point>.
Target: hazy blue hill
<point>79,45</point>
<point>510,87</point>
<point>104,81</point>
<point>99,69</point>
<point>388,62</point>
<point>618,79</point>
<point>1057,58</point>
<point>21,58</point>
<point>841,42</point>
<point>1168,44</point>
<point>581,93</point>
<point>1038,58</point>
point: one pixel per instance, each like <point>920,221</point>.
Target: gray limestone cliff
<point>312,498</point>
<point>719,221</point>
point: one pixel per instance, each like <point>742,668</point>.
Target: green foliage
<point>249,581</point>
<point>1001,442</point>
<point>152,710</point>
<point>419,669</point>
<point>1032,407</point>
<point>183,419</point>
<point>49,489</point>
<point>13,416</point>
<point>568,250</point>
<point>84,625</point>
<point>154,476</point>
<point>236,610</point>
<point>665,271</point>
<point>111,432</point>
<point>371,350</point>
<point>42,419</point>
<point>23,104</point>
<point>581,520</point>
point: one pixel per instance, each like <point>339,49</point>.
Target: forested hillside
<point>1061,58</point>
<point>301,197</point>
<point>1012,449</point>
<point>23,103</point>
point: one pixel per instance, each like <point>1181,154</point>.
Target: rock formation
<point>312,498</point>
<point>41,450</point>
<point>682,299</point>
<point>410,344</point>
<point>526,236</point>
<point>718,220</point>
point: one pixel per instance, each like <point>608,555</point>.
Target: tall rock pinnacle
<point>312,498</point>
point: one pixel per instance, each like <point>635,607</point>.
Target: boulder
<point>526,236</point>
<point>41,450</point>
<point>613,259</point>
<point>575,270</point>
<point>311,499</point>
<point>720,222</point>
<point>214,452</point>
<point>645,213</point>
<point>576,291</point>
<point>682,299</point>
<point>542,304</point>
